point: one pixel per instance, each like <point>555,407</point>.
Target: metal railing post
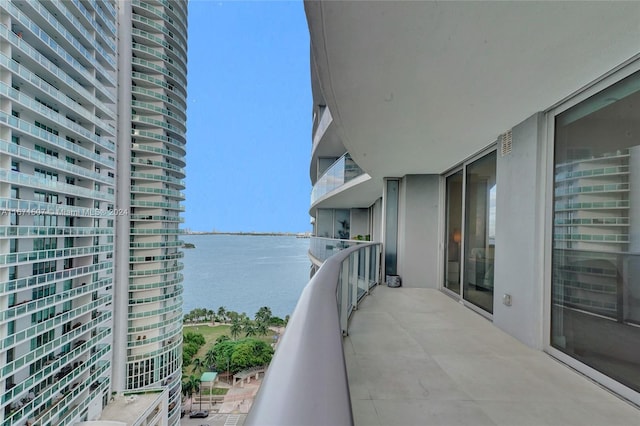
<point>354,290</point>
<point>344,314</point>
<point>367,267</point>
<point>379,263</point>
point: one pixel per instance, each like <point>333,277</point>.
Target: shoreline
<point>253,234</point>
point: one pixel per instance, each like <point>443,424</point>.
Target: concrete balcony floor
<point>417,357</point>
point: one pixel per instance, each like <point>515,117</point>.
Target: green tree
<point>276,322</point>
<point>249,328</point>
<point>189,386</point>
<point>198,365</point>
<point>191,337</point>
<point>263,315</point>
<point>222,314</point>
<point>286,320</point>
<point>210,357</point>
<point>236,328</point>
<point>233,316</point>
<point>262,329</point>
<point>191,343</point>
<point>222,338</point>
<point>237,355</point>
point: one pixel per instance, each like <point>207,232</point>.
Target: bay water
<point>245,272</point>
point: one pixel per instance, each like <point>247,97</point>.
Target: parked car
<point>199,414</point>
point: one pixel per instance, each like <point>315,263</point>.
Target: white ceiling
<point>417,86</point>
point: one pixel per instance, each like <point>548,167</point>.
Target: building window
<point>46,151</point>
<point>595,280</point>
<point>45,174</point>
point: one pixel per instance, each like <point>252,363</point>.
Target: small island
<point>188,246</point>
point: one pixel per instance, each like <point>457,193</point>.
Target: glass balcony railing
<point>55,117</point>
<point>51,67</point>
<point>340,172</point>
<point>40,158</point>
<point>63,98</point>
<point>311,349</point>
<point>324,248</point>
<point>94,25</point>
<point>49,278</point>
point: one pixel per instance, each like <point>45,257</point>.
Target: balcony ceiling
<point>415,87</point>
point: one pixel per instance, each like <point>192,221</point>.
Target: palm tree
<point>222,313</point>
<point>249,328</point>
<point>262,329</point>
<point>286,320</point>
<point>198,365</point>
<point>264,314</point>
<point>232,315</point>
<point>191,385</point>
<point>235,329</point>
<point>210,357</point>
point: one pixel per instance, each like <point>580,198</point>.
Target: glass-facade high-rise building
<point>92,135</point>
<point>155,160</point>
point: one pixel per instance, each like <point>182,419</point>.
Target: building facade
<point>88,235</point>
<point>493,149</point>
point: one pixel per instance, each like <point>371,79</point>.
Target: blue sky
<point>249,117</point>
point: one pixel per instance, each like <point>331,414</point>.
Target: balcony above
<point>344,176</point>
<point>326,142</point>
<point>339,173</point>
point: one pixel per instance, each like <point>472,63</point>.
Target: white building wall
<point>418,231</point>
<point>520,234</point>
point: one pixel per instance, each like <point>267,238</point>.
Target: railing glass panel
<point>323,248</point>
<point>341,172</point>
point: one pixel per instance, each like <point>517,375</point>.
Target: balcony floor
<point>417,357</point>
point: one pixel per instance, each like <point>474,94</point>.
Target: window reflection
<point>596,242</point>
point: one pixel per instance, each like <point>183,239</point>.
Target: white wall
<point>418,230</point>
<point>519,251</point>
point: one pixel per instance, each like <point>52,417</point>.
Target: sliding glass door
<point>480,231</point>
<point>595,281</point>
<point>470,231</point>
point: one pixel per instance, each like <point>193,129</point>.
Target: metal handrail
<point>306,382</point>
